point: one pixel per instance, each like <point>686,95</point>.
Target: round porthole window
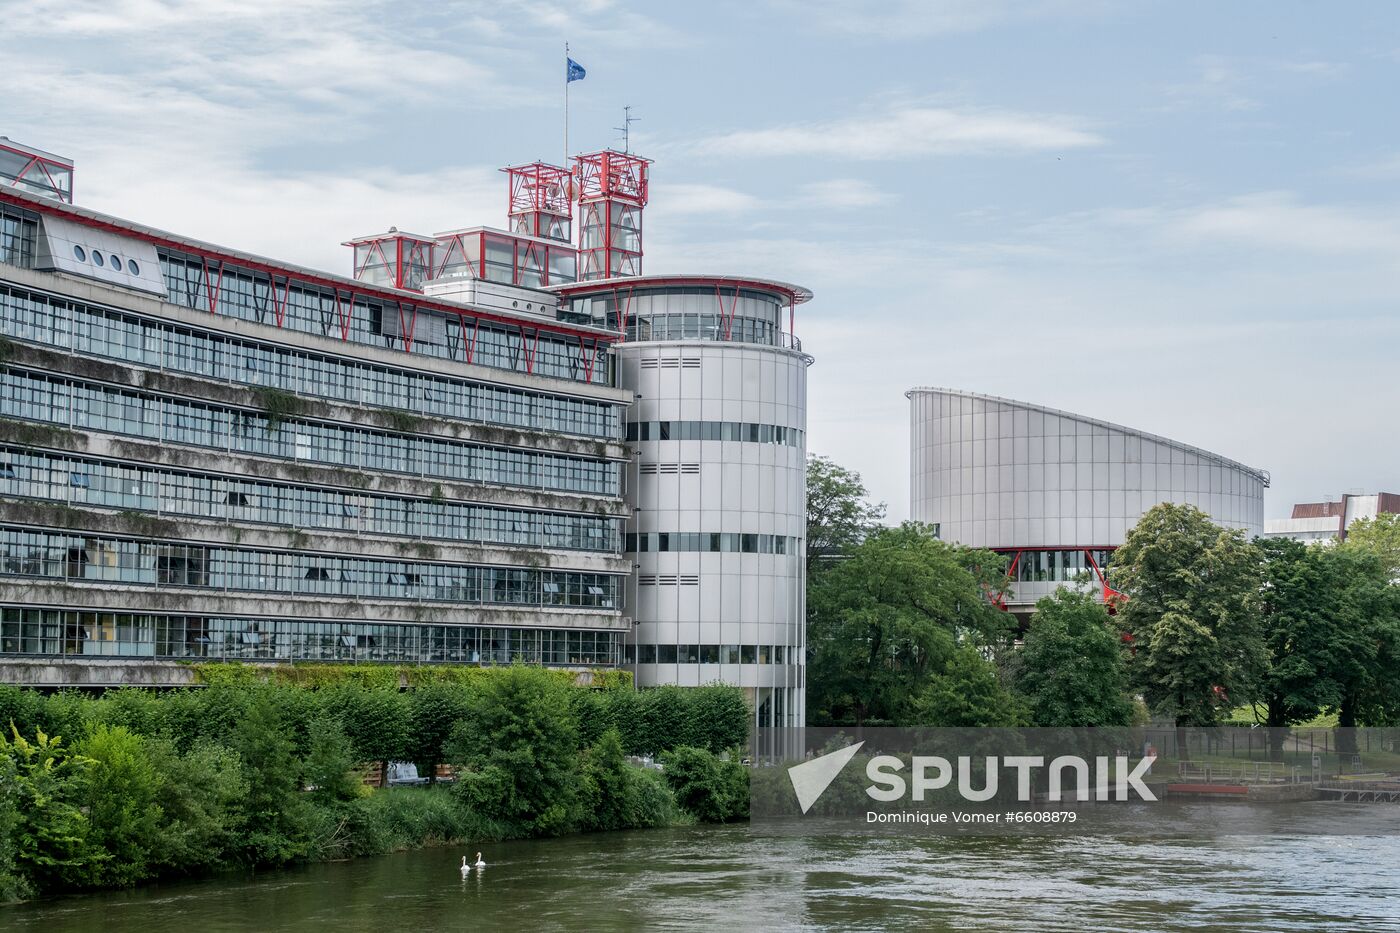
<point>132,267</point>
<point>116,262</point>
<point>97,258</point>
<point>80,253</point>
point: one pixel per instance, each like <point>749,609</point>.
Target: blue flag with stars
<point>574,72</point>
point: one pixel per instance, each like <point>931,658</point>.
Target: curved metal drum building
<point>719,484</point>
<point>1056,492</point>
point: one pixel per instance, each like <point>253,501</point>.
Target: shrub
<point>124,819</point>
<point>712,789</point>
<point>517,748</point>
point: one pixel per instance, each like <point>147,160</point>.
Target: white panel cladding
<point>996,473</point>
<point>743,487</point>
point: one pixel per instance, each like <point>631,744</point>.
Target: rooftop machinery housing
<point>207,454</point>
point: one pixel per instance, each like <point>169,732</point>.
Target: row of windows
<point>17,235</point>
<point>34,316</point>
<point>111,259</point>
<point>701,327</point>
<point>1056,566</point>
<point>714,431</point>
<point>96,407</point>
<point>709,654</point>
<point>40,475</point>
<point>93,558</point>
<point>313,310</point>
<point>694,313</point>
<point>727,542</point>
<point>64,633</point>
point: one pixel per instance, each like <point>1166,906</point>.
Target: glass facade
<point>34,474</point>
<point>713,431</point>
<point>71,633</point>
<point>92,558</point>
<point>707,654</point>
<point>330,313</point>
<point>712,542</point>
<point>31,315</point>
<point>688,313</point>
<point>82,405</point>
<point>1056,566</point>
<point>17,234</point>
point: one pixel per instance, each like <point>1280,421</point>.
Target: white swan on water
<point>466,869</point>
<point>479,862</point>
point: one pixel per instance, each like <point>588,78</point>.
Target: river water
<point>760,877</point>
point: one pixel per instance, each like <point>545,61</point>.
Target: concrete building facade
<point>1328,521</point>
<point>718,534</point>
<point>1054,491</point>
<point>485,446</point>
<point>206,454</point>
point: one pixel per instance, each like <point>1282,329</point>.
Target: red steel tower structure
<point>541,201</point>
<point>612,190</point>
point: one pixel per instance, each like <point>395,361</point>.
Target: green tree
<point>965,691</point>
<point>517,751</point>
<point>202,799</point>
<point>1070,670</point>
<point>1380,536</point>
<point>14,886</point>
<point>1368,609</point>
<point>50,831</point>
<point>124,818</point>
<point>889,616</point>
<point>1191,613</point>
<point>375,719</point>
<point>434,709</point>
<point>839,513</point>
<point>329,763</point>
<point>276,817</point>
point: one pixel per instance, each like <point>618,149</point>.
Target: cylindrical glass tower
<point>718,532</point>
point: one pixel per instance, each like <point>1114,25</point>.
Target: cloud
<point>903,20</point>
<point>678,199</point>
<point>906,132</point>
<point>1279,221</point>
<point>1219,83</point>
<point>843,193</point>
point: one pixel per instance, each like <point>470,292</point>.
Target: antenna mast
<point>626,128</point>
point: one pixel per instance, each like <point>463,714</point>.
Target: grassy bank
<point>115,790</point>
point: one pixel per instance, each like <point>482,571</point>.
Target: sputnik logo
<point>811,778</point>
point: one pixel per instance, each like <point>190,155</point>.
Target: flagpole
<point>566,104</point>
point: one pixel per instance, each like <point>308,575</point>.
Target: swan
<point>479,862</point>
<point>466,869</point>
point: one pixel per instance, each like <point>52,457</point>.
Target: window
<point>79,480</point>
<point>238,498</point>
<point>80,253</point>
<point>97,259</point>
<point>7,471</point>
<point>132,267</point>
<point>116,263</point>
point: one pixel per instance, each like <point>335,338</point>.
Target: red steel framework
<point>612,191</point>
<point>398,260</point>
<point>523,261</point>
<point>541,201</point>
<point>1111,597</point>
<point>282,278</point>
<point>45,174</point>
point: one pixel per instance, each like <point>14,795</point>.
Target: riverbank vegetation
<point>257,771</point>
<point>905,629</point>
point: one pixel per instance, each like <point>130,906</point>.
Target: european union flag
<point>574,72</point>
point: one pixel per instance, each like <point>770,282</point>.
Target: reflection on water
<point>744,877</point>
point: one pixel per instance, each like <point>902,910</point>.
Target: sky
<point>1179,216</point>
